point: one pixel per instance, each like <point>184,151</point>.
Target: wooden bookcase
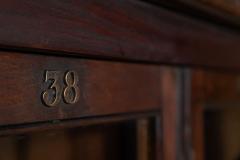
<point>109,80</point>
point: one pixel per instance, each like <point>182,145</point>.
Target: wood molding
<point>124,29</point>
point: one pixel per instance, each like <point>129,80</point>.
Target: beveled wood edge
<point>19,129</point>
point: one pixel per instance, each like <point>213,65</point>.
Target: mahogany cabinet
<point>119,80</point>
<point>61,107</point>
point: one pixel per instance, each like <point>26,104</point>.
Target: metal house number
<point>57,90</point>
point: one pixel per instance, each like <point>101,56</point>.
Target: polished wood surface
<point>124,29</point>
<point>130,58</point>
<point>106,88</point>
<point>216,89</point>
<point>171,114</point>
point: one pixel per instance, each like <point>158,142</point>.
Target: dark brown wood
<point>124,29</point>
<point>172,136</point>
<point>216,93</point>
<point>11,130</point>
<point>106,88</point>
<point>198,131</point>
<point>143,139</point>
<point>177,120</point>
<point>215,89</point>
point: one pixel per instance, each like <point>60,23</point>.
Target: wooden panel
<point>105,88</point>
<point>216,88</point>
<point>125,29</point>
<point>143,136</point>
<point>172,135</point>
<point>213,91</point>
<point>78,122</point>
<point>169,116</point>
<point>197,113</point>
<point>197,125</point>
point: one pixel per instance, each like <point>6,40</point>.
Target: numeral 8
<point>71,92</point>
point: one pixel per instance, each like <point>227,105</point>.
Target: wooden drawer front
<point>104,88</point>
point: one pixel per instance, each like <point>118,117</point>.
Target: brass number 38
<point>56,91</point>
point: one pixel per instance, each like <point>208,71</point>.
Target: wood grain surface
<point>171,115</point>
<point>106,88</point>
<point>213,92</point>
<point>124,29</point>
<point>216,89</point>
